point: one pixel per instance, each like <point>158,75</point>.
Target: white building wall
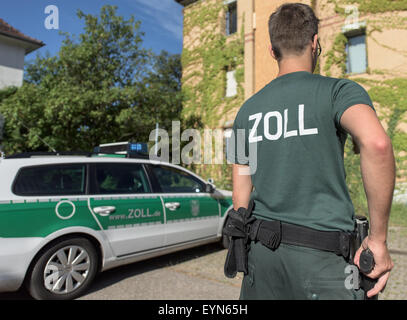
<point>11,63</point>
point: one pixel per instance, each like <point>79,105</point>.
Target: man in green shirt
<point>290,162</point>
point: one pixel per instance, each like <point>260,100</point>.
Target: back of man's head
<point>292,27</point>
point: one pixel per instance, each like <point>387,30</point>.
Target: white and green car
<point>65,218</point>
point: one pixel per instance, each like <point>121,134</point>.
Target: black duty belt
<point>268,233</point>
<point>243,228</point>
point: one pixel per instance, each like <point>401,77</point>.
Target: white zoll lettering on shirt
<point>281,128</point>
<point>252,134</point>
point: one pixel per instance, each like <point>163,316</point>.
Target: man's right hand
<point>383,263</point>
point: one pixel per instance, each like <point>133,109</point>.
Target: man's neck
<point>290,65</point>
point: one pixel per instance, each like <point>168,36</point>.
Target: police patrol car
<point>65,217</point>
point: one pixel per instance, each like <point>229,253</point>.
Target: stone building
<point>14,46</point>
<point>226,58</point>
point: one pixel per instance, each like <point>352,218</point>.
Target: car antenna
<point>53,150</point>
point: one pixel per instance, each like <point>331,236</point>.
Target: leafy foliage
<point>371,6</point>
<point>206,63</point>
<point>102,86</point>
<point>336,57</point>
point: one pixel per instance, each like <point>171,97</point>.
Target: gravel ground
<point>396,288</point>
<point>198,274</point>
<point>194,274</point>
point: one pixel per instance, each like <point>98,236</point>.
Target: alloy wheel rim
<point>66,270</point>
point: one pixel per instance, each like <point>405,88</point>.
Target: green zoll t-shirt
<point>294,145</point>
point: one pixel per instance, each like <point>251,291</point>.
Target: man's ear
<point>272,52</point>
<point>314,46</point>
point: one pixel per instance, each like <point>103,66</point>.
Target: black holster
<point>243,228</point>
<point>361,232</point>
<point>238,228</point>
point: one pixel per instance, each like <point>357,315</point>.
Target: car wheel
<point>225,240</point>
<point>63,271</point>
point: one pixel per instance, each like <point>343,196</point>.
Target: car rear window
<point>51,180</point>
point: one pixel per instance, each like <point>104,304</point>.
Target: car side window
<point>172,180</point>
<point>51,180</point>
<point>114,178</point>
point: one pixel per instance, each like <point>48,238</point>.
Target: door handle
<point>172,205</point>
<point>104,211</point>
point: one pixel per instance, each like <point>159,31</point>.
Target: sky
<point>161,20</point>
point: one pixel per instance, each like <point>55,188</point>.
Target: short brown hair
<point>291,28</point>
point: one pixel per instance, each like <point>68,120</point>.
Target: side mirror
<point>209,188</point>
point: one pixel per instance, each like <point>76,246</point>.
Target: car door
<point>191,212</point>
<point>121,200</point>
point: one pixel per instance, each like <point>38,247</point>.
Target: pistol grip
<point>366,261</point>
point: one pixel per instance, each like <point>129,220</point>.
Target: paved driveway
<point>191,274</point>
<point>188,275</point>
<point>198,274</point>
<point>396,288</point>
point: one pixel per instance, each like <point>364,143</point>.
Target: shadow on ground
<point>112,276</point>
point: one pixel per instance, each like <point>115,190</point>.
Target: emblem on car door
<point>63,207</point>
<point>195,207</point>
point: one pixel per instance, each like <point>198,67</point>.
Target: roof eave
<point>30,45</point>
<point>185,2</point>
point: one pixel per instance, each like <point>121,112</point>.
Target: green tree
<point>102,86</point>
<point>159,94</point>
<point>4,94</point>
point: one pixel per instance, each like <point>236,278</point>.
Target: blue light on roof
<point>138,147</point>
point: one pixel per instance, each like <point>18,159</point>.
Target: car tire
<point>63,271</point>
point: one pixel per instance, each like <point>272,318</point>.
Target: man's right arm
<point>242,186</point>
<point>378,175</point>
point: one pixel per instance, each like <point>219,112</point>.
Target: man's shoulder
<point>274,85</point>
<point>330,81</point>
<point>250,105</point>
<point>271,88</point>
<point>335,86</point>
<point>255,100</point>
<point>336,81</point>
<point>329,84</point>
<point>344,86</point>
